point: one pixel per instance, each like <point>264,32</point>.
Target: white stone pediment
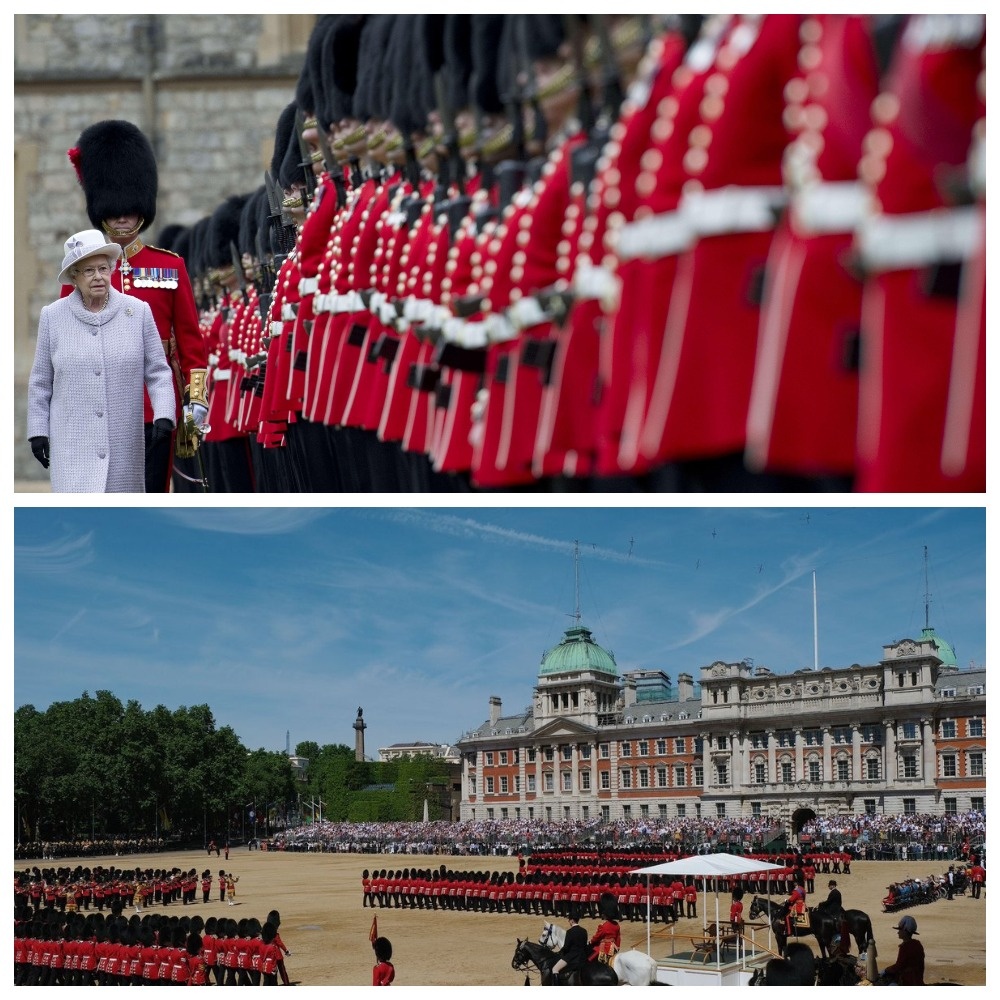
<point>563,729</point>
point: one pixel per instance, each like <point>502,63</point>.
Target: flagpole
<point>815,627</point>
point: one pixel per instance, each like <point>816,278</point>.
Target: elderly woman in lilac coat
<point>96,350</point>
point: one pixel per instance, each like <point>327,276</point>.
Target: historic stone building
<point>904,735</point>
<point>207,89</point>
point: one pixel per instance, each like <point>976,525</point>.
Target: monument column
<point>359,737</point>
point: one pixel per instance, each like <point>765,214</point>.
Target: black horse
<point>820,927</point>
<point>859,925</point>
<point>823,924</point>
<point>528,953</point>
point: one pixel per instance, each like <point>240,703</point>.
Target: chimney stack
<point>494,709</point>
<point>685,687</point>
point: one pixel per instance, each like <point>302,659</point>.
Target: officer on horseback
<point>607,939</point>
<point>573,955</point>
<point>834,901</point>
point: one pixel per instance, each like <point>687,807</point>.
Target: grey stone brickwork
<point>206,89</point>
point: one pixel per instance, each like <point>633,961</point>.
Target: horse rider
<point>795,907</point>
<point>607,938</point>
<point>573,955</point>
<point>833,901</point>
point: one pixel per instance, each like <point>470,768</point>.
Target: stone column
<point>856,750</point>
<point>574,789</point>
<point>929,763</point>
<point>889,766</point>
<point>772,758</point>
<point>797,745</point>
<point>706,761</point>
<point>828,774</point>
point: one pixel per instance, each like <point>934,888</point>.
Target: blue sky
<point>287,619</point>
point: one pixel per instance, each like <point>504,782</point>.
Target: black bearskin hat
<point>458,58</point>
<point>339,69</point>
<point>283,133</point>
<point>223,229</point>
<point>487,32</point>
<point>383,949</point>
<point>249,224</point>
<point>168,235</point>
<point>290,172</point>
<point>607,906</point>
<point>372,91</point>
<point>116,167</point>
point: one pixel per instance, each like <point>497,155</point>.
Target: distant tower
<point>359,737</point>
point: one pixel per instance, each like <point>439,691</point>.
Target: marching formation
<point>509,252</point>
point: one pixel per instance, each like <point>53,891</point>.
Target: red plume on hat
<point>117,169</point>
<point>74,158</point>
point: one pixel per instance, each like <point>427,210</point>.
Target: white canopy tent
<point>707,866</point>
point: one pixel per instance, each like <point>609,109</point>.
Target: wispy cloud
<point>245,520</point>
<point>69,624</point>
<point>704,623</point>
<point>468,528</point>
<point>62,555</point>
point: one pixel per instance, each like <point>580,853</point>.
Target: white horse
<point>633,967</point>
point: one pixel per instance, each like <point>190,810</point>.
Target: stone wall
<point>206,89</point>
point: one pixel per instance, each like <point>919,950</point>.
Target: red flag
<point>373,933</point>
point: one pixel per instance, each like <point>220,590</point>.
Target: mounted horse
<point>823,924</point>
<point>633,967</point>
<point>859,925</point>
<point>528,953</point>
<point>821,927</point>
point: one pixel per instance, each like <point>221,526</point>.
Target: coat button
<point>102,454</point>
<point>100,413</point>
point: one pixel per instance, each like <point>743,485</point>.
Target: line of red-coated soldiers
<point>764,271</point>
<point>91,949</point>
<point>827,862</point>
<point>69,890</point>
<point>550,893</point>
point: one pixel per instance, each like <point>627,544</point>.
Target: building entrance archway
<point>800,817</point>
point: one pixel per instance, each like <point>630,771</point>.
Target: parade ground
<point>323,923</point>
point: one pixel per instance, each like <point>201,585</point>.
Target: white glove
<point>197,412</point>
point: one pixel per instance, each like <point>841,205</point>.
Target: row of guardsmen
<point>566,253</point>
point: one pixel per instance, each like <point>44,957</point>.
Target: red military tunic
<point>731,194</point>
<point>803,406</point>
<point>910,246</point>
<point>647,249</point>
<point>452,447</point>
<point>584,407</point>
<point>160,278</point>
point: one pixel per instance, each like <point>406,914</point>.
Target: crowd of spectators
<point>868,837</point>
<point>917,837</point>
<point>47,850</point>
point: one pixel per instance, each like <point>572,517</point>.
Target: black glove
<point>40,449</point>
<point>162,429</point>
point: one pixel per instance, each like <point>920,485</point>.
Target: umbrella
<point>707,866</point>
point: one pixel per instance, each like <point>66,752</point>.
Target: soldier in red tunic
<point>803,406</point>
<point>117,170</point>
<point>919,235</point>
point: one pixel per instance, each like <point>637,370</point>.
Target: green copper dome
<point>944,651</point>
<point>576,652</point>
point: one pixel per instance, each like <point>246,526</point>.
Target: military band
<point>590,253</point>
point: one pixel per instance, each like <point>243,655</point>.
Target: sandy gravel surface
<point>326,928</point>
